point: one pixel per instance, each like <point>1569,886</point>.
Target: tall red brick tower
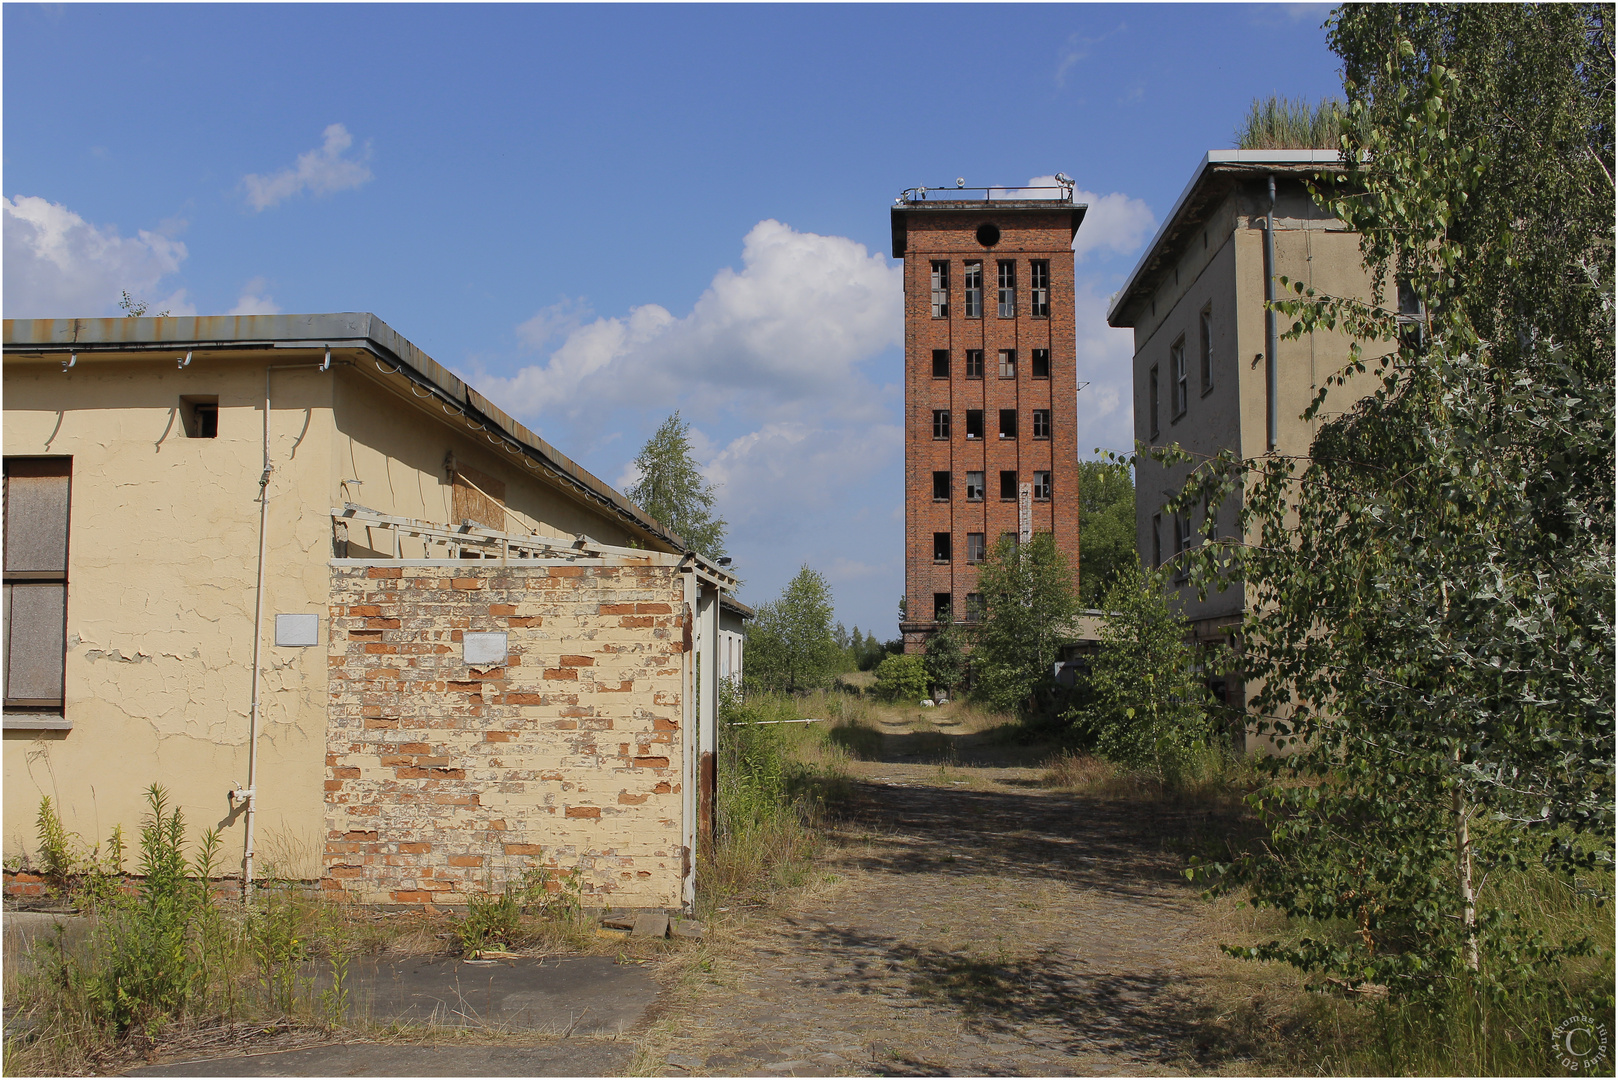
<point>990,387</point>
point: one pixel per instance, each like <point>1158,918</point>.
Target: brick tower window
<point>1040,364</point>
<point>941,607</point>
<point>940,290</point>
<point>1042,423</point>
<point>1008,423</point>
<point>1039,301</point>
<point>940,423</point>
<point>974,363</point>
<point>941,547</point>
<point>1008,483</point>
<point>940,363</point>
<point>975,547</point>
<point>1008,289</point>
<point>974,423</point>
<point>1008,363</point>
<point>941,486</point>
<point>974,607</point>
<point>1042,486</point>
<point>974,290</point>
<point>974,487</point>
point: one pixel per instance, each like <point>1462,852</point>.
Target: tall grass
<point>1284,124</point>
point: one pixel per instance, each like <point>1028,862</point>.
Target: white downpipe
<point>250,792</point>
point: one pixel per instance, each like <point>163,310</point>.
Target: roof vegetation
<point>1284,124</point>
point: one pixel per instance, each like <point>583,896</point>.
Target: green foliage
<point>901,678</point>
<point>134,309</point>
<point>790,647</point>
<point>1029,605</point>
<point>279,946</point>
<point>492,920</point>
<point>672,490</point>
<point>946,660</point>
<point>1106,527</point>
<point>1432,591</point>
<point>1283,124</point>
<point>1147,708</point>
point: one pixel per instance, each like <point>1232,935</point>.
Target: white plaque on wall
<point>484,648</point>
<point>297,631</point>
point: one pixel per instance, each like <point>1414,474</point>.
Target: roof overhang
<point>1216,173</point>
<point>900,213</point>
<point>252,334</point>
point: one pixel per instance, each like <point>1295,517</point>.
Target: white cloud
<point>1106,415</point>
<point>792,325</point>
<point>1114,222</point>
<point>57,265</point>
<point>321,171</point>
<point>1076,48</point>
<point>256,300</point>
<point>560,318</point>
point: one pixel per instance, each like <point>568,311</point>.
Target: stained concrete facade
<point>989,390</point>
<point>1197,299</point>
<point>163,563</point>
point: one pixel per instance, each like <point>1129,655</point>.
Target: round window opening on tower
<point>988,235</point>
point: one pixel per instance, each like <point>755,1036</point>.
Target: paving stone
<point>651,924</point>
<point>686,1062</point>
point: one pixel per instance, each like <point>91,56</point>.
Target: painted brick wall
<point>444,779</point>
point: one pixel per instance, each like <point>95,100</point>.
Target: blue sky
<point>600,214</point>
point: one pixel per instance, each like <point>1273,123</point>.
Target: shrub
<point>901,678</point>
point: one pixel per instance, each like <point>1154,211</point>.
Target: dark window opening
<point>1151,406</point>
<point>940,423</point>
<point>1008,483</point>
<point>1157,540</point>
<point>1205,331</point>
<point>1008,423</point>
<point>200,416</point>
<point>1412,317</point>
<point>974,423</point>
<point>1041,364</point>
<point>940,363</point>
<point>1042,486</point>
<point>974,290</point>
<point>941,486</point>
<point>941,547</point>
<point>941,607</point>
<point>1042,423</point>
<point>974,363</point>
<point>1007,294</point>
<point>974,487</point>
<point>1040,285</point>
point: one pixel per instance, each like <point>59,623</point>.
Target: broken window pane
<point>974,487</point>
<point>940,289</point>
<point>1042,485</point>
<point>1008,290</point>
<point>974,290</point>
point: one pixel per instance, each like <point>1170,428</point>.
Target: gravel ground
<point>966,922</point>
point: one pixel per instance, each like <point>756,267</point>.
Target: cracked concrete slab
<point>560,1057</point>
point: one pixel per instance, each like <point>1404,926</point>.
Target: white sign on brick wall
<point>484,648</point>
<point>1025,513</point>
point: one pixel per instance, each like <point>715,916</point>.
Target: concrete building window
<point>1008,423</point>
<point>974,607</point>
<point>941,547</point>
<point>1040,365</point>
<point>1008,484</point>
<point>1010,540</point>
<point>1042,423</point>
<point>974,487</point>
<point>941,607</point>
<point>37,494</point>
<point>940,423</point>
<point>1042,486</point>
<point>1157,540</point>
<point>1181,384</point>
<point>1008,289</point>
<point>199,416</point>
<point>941,486</point>
<point>975,547</point>
<point>974,290</point>
<point>1205,332</point>
<point>940,363</point>
<point>1039,299</point>
<point>974,363</point>
<point>1008,363</point>
<point>1151,402</point>
<point>1412,316</point>
<point>974,423</point>
<point>1182,544</point>
<point>940,290</point>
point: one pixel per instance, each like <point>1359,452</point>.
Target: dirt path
<point>977,924</point>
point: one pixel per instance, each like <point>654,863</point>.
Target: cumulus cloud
<point>320,171</point>
<point>791,325</point>
<point>559,319</point>
<point>1114,222</point>
<point>57,265</point>
<point>1106,416</point>
<point>256,300</point>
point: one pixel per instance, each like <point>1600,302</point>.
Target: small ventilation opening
<point>200,416</point>
<point>988,235</point>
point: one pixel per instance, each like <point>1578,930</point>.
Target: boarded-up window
<point>479,499</point>
<point>36,520</point>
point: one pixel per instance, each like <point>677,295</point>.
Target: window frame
<point>1039,285</point>
<point>943,474</point>
<point>1008,418</point>
<point>1157,541</point>
<point>941,425</point>
<point>1013,496</point>
<point>940,370</point>
<point>37,712</point>
<point>1152,395</point>
<point>1042,483</point>
<point>940,288</point>
<point>1205,342</point>
<point>972,281</point>
<point>942,542</point>
<point>981,486</point>
<point>1042,424</point>
<point>974,607</point>
<point>974,363</point>
<point>970,413</point>
<point>1006,288</point>
<point>977,548</point>
<point>1007,359</point>
<point>1181,387</point>
<point>943,607</point>
<point>1039,364</point>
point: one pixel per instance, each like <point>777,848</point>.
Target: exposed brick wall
<point>444,779</point>
<point>951,236</point>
